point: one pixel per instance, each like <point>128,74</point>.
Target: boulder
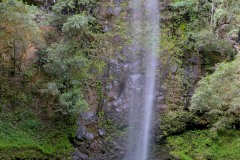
<point>79,156</point>
<point>81,132</point>
<point>89,136</point>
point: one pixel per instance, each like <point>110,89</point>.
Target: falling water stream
<point>144,50</point>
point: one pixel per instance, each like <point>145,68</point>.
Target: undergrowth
<point>23,135</point>
<point>206,145</point>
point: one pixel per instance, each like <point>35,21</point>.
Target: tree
<point>205,27</point>
<point>72,102</point>
<point>73,64</point>
<point>18,29</point>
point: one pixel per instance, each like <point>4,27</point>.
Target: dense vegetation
<point>206,144</point>
<point>51,54</point>
<point>197,32</point>
<point>214,106</point>
<point>206,29</point>
<point>40,100</point>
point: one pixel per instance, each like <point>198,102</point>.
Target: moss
<point>206,144</point>
<point>29,137</point>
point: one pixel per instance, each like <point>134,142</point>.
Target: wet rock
<point>113,62</point>
<point>102,11</point>
<point>101,132</point>
<point>79,156</point>
<point>108,87</point>
<point>87,116</point>
<point>195,59</point>
<point>163,90</point>
<point>110,10</point>
<point>118,110</point>
<point>89,136</point>
<point>174,68</point>
<point>135,77</point>
<point>160,98</point>
<point>124,51</point>
<point>125,106</point>
<point>115,104</point>
<point>81,131</point>
<point>125,67</point>
<point>83,149</point>
<point>195,72</point>
<point>94,145</point>
<point>117,11</point>
<point>114,92</point>
<point>116,39</point>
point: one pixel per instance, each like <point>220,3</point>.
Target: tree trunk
<point>14,57</point>
<point>173,29</point>
<point>212,21</point>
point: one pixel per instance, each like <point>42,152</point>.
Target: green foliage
<point>40,105</point>
<point>216,99</point>
<point>176,122</point>
<point>77,23</point>
<point>15,17</point>
<point>183,3</point>
<point>25,136</point>
<point>42,58</point>
<point>214,104</point>
<point>205,26</point>
<point>210,43</point>
<point>72,5</point>
<point>73,102</point>
<point>202,28</point>
<point>205,144</point>
<point>13,95</point>
<point>67,8</point>
<point>68,68</point>
<point>64,61</point>
<point>62,4</point>
<point>171,46</point>
<point>72,64</point>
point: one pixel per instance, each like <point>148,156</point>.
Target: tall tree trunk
<point>14,57</point>
<point>173,29</point>
<point>212,20</point>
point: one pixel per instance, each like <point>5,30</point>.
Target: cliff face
<point>175,86</point>
<point>51,74</point>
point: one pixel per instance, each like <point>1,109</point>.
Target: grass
<point>27,137</point>
<point>206,145</point>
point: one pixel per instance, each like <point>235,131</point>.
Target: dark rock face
<point>95,143</point>
<point>196,60</point>
<point>44,4</point>
<point>34,2</point>
<point>103,142</point>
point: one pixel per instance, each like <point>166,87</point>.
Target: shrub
<point>216,99</point>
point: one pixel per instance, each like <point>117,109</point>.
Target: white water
<point>145,38</point>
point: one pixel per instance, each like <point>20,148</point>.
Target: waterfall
<point>145,32</point>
